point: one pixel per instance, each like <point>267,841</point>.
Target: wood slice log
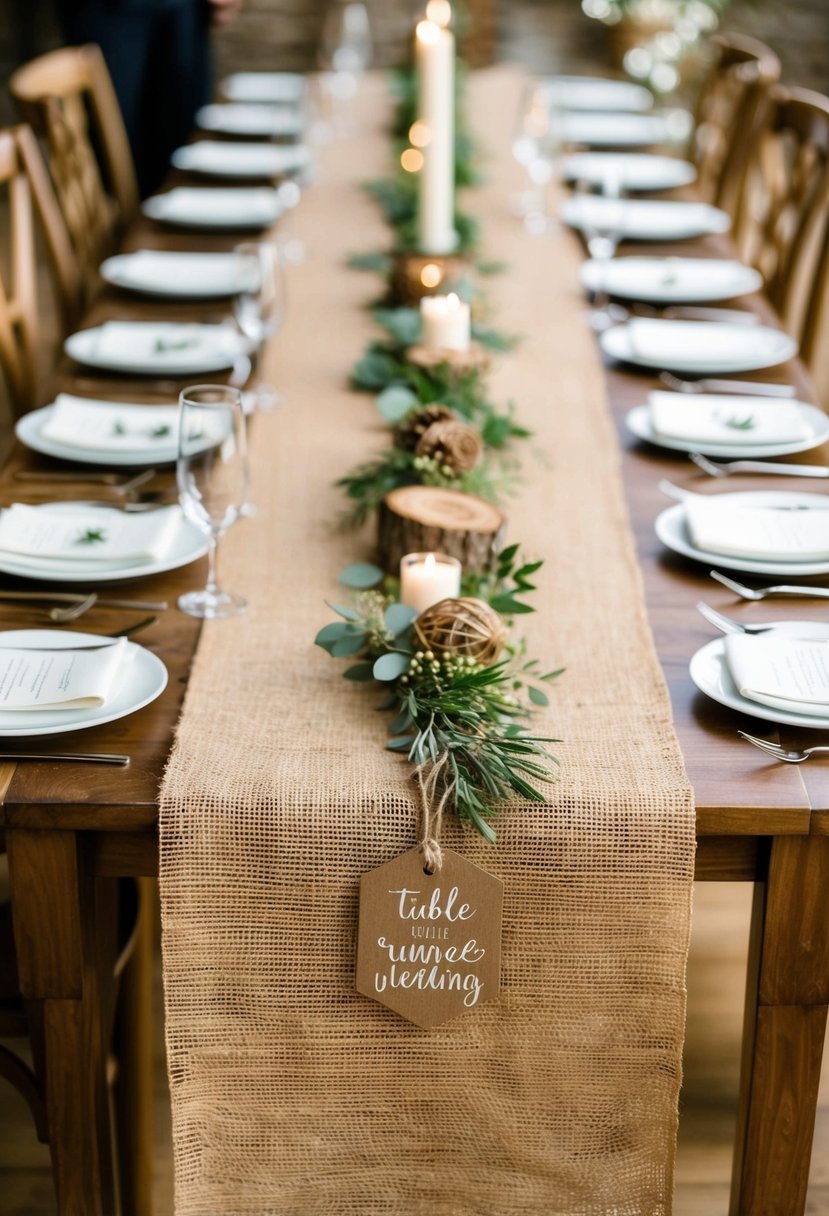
<point>416,519</point>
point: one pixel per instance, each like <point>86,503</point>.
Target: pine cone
<point>409,433</point>
<point>453,444</point>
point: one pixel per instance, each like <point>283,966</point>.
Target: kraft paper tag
<point>429,945</point>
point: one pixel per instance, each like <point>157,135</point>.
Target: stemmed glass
<point>602,229</point>
<point>537,145</point>
<point>345,50</point>
<point>212,479</point>
<point>259,304</point>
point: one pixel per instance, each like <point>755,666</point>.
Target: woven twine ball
<point>466,627</point>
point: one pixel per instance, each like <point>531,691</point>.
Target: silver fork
<point>749,593</point>
<point>724,468</point>
<point>681,495</point>
<point>62,616</point>
<point>117,483</point>
<point>727,624</point>
<point>788,754</point>
<point>753,388</point>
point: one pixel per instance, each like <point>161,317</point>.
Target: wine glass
<point>212,479</point>
<point>536,145</point>
<point>345,51</point>
<point>601,224</point>
<point>259,304</point>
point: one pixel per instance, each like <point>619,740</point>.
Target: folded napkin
<point>205,205</point>
<point>714,345</point>
<point>648,219</point>
<point>692,278</point>
<point>724,419</point>
<point>91,537</point>
<point>782,672</point>
<point>59,679</point>
<point>170,344</point>
<point>159,270</point>
<point>241,159</point>
<point>108,426</point>
<point>267,87</point>
<point>757,532</point>
<point>239,118</point>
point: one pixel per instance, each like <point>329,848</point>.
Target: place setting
<point>216,208</point>
<point>266,88</point>
<point>638,171</point>
<point>174,274</point>
<point>697,348</point>
<point>225,158</point>
<point>252,119</point>
<point>157,348</point>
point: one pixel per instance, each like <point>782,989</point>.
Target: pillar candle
<point>427,578</point>
<point>446,323</point>
<point>435,65</point>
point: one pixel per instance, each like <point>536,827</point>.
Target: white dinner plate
<point>179,275</point>
<point>240,118</point>
<point>215,208</point>
<point>598,93</point>
<point>144,679</point>
<point>614,130</point>
<point>709,672</point>
<point>638,423</point>
<point>215,158</point>
<point>671,280</point>
<point>739,348</point>
<point>29,431</point>
<point>644,219</point>
<point>671,529</point>
<point>216,347</point>
<point>187,545</point>
<point>268,88</point>
<point>634,170</point>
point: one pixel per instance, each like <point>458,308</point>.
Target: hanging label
<point>429,945</point>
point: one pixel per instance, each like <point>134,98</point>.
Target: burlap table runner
<point>291,1094</point>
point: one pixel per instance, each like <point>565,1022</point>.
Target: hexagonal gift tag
<point>429,945</point>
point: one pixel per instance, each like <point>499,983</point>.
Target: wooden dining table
<point>68,827</point>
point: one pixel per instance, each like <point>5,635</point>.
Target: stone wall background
<point>547,35</point>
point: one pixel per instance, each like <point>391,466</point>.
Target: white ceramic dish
<point>230,159</point>
<point>709,672</point>
<point>217,347</point>
<point>145,679</point>
<point>671,280</point>
<point>638,423</point>
<point>615,130</point>
<point>215,208</point>
<point>177,275</point>
<point>265,88</point>
<point>671,529</point>
<point>740,348</point>
<point>243,118</point>
<point>649,219</point>
<point>29,427</point>
<point>599,93</point>
<point>635,170</point>
<point>187,545</point>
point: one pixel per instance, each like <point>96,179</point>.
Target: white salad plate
<point>698,348</point>
<point>214,158</point>
<point>144,679</point>
<point>648,219</point>
<point>185,349</point>
<point>187,545</point>
<point>671,528</point>
<point>598,93</point>
<point>160,272</point>
<point>242,118</point>
<point>638,423</point>
<point>615,130</point>
<point>710,673</point>
<point>634,170</point>
<point>671,280</point>
<point>265,88</point>
<point>211,208</point>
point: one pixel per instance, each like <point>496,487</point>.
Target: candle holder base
<point>415,275</point>
<point>475,359</point>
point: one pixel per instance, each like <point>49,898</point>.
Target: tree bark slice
<point>416,519</point>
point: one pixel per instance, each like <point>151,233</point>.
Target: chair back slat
<point>18,293</point>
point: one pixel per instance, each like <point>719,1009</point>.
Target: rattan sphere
<point>465,627</point>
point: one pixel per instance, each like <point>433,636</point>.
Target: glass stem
<point>212,587</point>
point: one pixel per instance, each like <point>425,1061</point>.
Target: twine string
<point>429,774</point>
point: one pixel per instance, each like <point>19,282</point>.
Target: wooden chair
<point>783,222</point>
<point>68,98</point>
<point>18,294</point>
<point>729,110</point>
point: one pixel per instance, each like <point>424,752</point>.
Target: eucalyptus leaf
<point>361,576</point>
<point>352,644</point>
<point>335,632</point>
<point>390,666</point>
<point>395,402</point>
<point>348,614</point>
<point>537,696</point>
<point>359,671</point>
<point>398,617</point>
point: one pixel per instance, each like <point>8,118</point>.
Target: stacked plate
<point>671,280</point>
<point>179,275</point>
<point>633,170</point>
<point>246,207</point>
<point>265,88</point>
<point>618,130</point>
<point>728,426</point>
<point>697,348</point>
<point>598,93</point>
<point>644,219</point>
<point>152,348</point>
<point>239,118</point>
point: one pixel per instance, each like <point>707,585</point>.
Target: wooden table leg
<point>54,914</point>
<point>786,1008</point>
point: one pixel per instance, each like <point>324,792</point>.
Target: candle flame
<point>428,31</point>
<point>439,11</point>
<point>429,563</point>
<point>431,275</point>
<point>452,302</point>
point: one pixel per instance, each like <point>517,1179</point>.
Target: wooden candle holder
<point>415,275</point>
<point>476,358</point>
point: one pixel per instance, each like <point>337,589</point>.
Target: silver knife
<point>69,597</point>
<point>78,757</point>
